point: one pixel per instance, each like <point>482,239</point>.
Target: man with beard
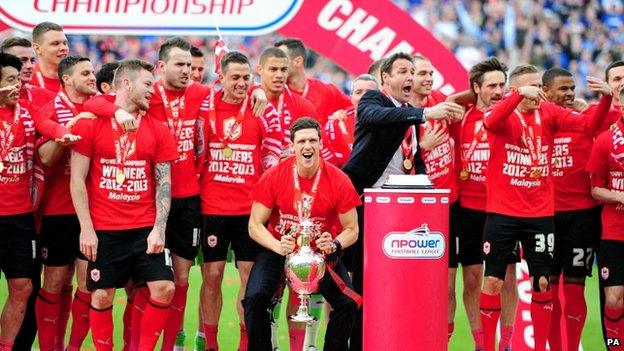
<point>326,98</point>
<point>121,190</point>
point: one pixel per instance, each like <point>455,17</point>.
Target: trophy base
<point>301,318</point>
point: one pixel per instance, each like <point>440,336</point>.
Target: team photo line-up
<point>123,177</point>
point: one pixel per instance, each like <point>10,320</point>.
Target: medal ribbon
<point>7,135</point>
<point>299,194</point>
<point>227,135</point>
<point>40,79</point>
<point>174,118</point>
<point>478,135</point>
<point>528,135</point>
<point>122,147</point>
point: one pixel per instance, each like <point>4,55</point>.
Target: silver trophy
<point>304,270</point>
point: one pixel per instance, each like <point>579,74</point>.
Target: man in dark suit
<point>386,141</point>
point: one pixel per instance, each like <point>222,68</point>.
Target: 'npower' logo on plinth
<point>418,243</point>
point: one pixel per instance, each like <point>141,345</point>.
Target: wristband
<point>337,247</point>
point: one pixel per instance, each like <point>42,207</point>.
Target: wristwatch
<point>336,246</point>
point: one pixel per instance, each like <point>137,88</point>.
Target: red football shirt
<point>184,183</point>
<point>472,192</point>
<point>571,151</point>
<point>130,205</point>
<point>514,186</point>
<point>276,191</point>
<point>226,182</point>
<point>338,139</point>
<point>607,173</point>
<point>41,81</point>
<point>326,98</point>
<point>16,175</point>
<point>56,198</point>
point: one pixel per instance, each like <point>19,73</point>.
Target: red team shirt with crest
<point>16,176</point>
<point>56,198</point>
<point>227,182</point>
<point>511,188</point>
<point>187,139</point>
<point>130,205</point>
<point>607,173</point>
<point>472,191</point>
<point>276,190</point>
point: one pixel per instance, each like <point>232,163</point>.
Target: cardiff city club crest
<point>604,273</point>
<point>230,123</point>
<point>212,240</point>
<point>95,275</point>
<point>486,247</point>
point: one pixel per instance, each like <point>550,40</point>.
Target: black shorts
<point>221,231</point>
<point>121,255</point>
<point>576,233</point>
<point>18,246</point>
<point>502,234</point>
<point>470,239</point>
<point>184,227</point>
<point>59,241</point>
<point>611,262</point>
<point>454,225</point>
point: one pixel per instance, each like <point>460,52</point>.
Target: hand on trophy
<point>324,243</point>
<point>287,244</point>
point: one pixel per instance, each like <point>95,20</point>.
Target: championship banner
<point>355,33</point>
<point>152,17</point>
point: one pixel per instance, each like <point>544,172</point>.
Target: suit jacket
<point>379,131</point>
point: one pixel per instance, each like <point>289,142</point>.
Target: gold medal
<point>407,164</point>
<point>536,173</point>
<point>1,166</point>
<point>120,177</point>
<point>227,152</point>
<point>463,175</point>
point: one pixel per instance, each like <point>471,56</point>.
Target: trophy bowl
<point>304,270</point>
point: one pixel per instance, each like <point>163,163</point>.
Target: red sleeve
<point>306,109</point>
<point>498,116</point>
<point>348,196</point>
<point>45,125</point>
<point>598,163</point>
<point>84,128</point>
<point>335,147</point>
<point>264,191</point>
<point>166,150</point>
<point>341,100</point>
<point>102,106</point>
